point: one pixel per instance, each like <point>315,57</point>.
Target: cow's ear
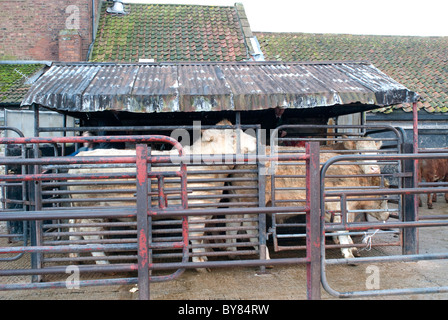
<point>224,122</point>
<point>379,144</point>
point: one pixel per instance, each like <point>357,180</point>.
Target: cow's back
<point>290,181</point>
<point>432,170</point>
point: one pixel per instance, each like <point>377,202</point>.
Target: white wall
<point>24,121</point>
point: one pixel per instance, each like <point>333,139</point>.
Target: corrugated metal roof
<point>216,86</point>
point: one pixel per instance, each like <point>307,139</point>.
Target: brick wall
<point>29,29</point>
<point>70,45</point>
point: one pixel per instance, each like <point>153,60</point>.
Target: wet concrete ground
<point>279,283</point>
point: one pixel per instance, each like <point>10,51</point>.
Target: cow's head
<point>365,146</point>
<point>224,141</point>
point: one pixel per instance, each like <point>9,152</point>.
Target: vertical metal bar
<point>36,120</point>
<point>38,223</point>
<point>261,165</point>
<point>142,221</point>
<point>410,235</point>
<point>64,134</point>
<point>343,213</point>
<point>162,197</point>
<point>313,228</point>
<point>415,142</point>
<point>238,132</point>
<point>415,126</point>
<point>151,200</point>
<point>184,200</point>
<point>272,170</point>
<point>35,196</point>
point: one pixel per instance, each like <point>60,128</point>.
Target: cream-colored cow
<point>212,142</point>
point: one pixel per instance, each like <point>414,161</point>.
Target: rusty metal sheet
<point>156,89</point>
<point>213,86</point>
<point>252,87</point>
<point>203,87</point>
<point>54,89</point>
<point>110,89</point>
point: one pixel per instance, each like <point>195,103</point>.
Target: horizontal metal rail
<point>129,212</point>
<point>171,159</point>
<point>142,128</point>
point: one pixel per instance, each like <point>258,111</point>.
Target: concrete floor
<point>280,282</point>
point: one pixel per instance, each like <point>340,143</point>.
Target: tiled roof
<point>419,63</point>
<point>13,79</point>
<point>166,32</point>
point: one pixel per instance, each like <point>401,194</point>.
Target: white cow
<point>212,142</point>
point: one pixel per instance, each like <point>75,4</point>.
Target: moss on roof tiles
<point>13,79</point>
<point>166,32</point>
<point>419,63</point>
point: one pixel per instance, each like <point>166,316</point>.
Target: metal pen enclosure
<point>53,240</point>
<point>340,87</point>
<point>146,241</point>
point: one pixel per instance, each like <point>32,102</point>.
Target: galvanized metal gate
<point>406,224</point>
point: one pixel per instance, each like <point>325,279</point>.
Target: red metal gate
<point>163,245</point>
<point>149,204</point>
<point>39,214</point>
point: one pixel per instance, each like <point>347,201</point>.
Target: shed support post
<point>35,197</point>
<point>261,165</point>
<point>410,202</point>
<point>410,235</point>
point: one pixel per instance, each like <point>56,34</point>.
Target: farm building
<point>16,79</point>
<point>153,32</point>
<point>219,33</point>
<point>154,69</point>
<point>170,94</point>
<point>183,33</point>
